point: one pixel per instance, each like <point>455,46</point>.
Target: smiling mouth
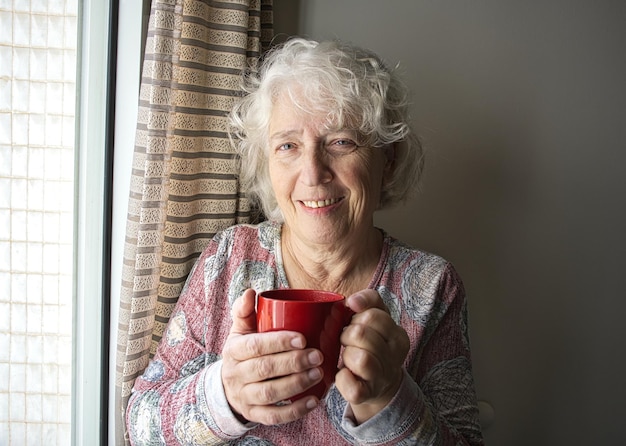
<point>320,203</point>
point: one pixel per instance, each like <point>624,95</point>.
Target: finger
<point>356,392</point>
<point>364,300</point>
<point>386,341</point>
<point>273,415</point>
<point>376,319</point>
<point>281,389</point>
<point>366,337</point>
<point>238,376</point>
<point>363,364</point>
<point>280,364</point>
<point>243,314</point>
<point>353,389</point>
<point>255,345</point>
<point>374,346</point>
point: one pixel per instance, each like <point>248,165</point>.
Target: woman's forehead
<point>292,108</point>
<point>288,110</point>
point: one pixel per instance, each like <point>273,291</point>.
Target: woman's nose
<point>315,168</point>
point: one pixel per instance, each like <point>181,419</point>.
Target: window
<point>37,104</point>
<point>50,296</point>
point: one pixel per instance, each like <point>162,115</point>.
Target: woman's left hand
<point>375,349</point>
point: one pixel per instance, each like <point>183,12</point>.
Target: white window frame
<point>90,192</point>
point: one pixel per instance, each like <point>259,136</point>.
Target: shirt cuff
<point>218,407</point>
<point>393,421</point>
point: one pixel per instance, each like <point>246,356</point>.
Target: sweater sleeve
<point>177,399</point>
<point>436,403</point>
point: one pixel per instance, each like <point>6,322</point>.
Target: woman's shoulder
<point>265,230</point>
<point>246,239</point>
<point>401,253</point>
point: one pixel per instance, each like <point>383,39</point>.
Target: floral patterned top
<point>179,399</point>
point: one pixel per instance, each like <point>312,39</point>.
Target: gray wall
<point>522,106</point>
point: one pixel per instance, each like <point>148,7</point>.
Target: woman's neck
<point>341,267</point>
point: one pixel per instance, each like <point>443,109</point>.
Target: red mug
<point>319,315</point>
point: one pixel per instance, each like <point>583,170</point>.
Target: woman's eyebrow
<point>285,134</point>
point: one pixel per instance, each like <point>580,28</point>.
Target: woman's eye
<point>343,145</point>
<point>286,146</point>
<point>345,142</point>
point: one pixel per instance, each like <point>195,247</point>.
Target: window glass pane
<point>37,111</point>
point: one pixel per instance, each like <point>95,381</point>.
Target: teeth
<point>320,203</point>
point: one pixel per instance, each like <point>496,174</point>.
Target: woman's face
<point>327,187</point>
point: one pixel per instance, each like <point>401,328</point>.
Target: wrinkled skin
<point>262,369</point>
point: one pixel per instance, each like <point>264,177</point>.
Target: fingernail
<point>357,300</point>
<point>315,358</point>
<point>297,343</point>
<point>315,374</point>
<point>311,403</point>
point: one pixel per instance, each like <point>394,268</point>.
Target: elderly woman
<point>324,142</point>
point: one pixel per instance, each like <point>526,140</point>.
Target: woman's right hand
<point>260,370</point>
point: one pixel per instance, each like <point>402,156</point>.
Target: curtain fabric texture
<point>184,184</point>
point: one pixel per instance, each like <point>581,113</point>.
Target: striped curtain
<point>184,186</point>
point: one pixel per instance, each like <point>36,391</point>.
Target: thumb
<point>244,314</point>
<point>364,300</point>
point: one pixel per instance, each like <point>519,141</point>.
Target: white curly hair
<point>351,86</point>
